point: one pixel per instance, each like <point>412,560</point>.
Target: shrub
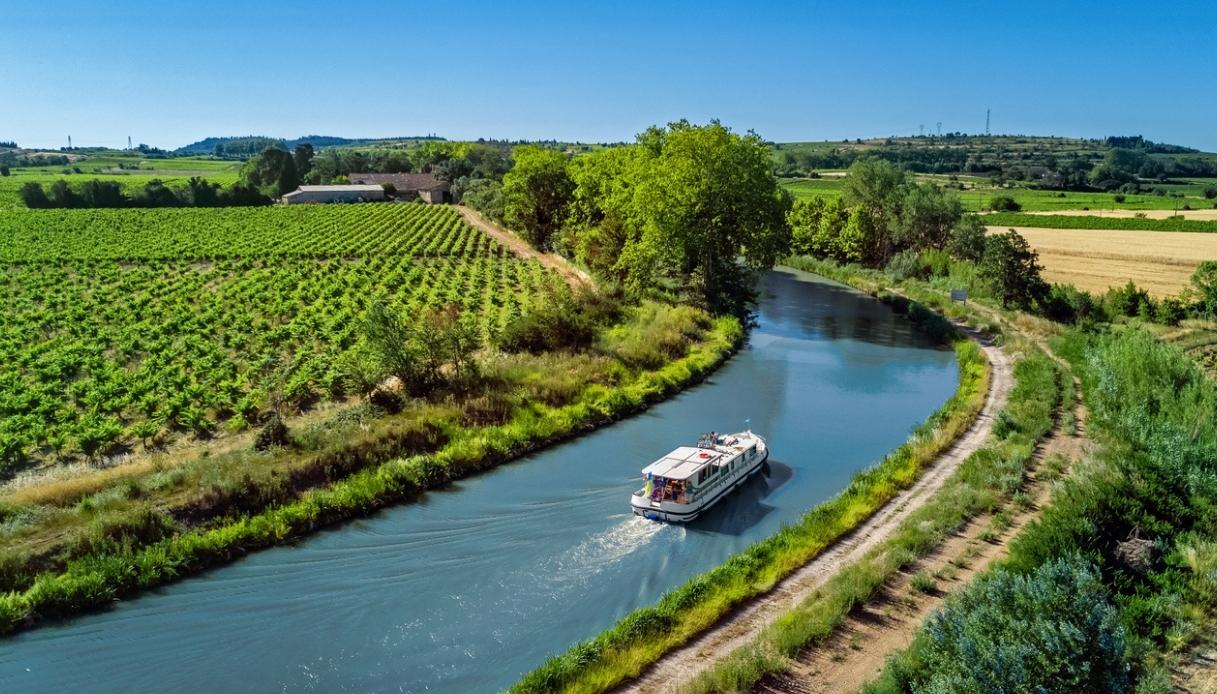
<point>273,433</point>
<point>905,265</point>
<point>1004,203</point>
<point>561,321</point>
<point>1119,198</point>
<point>1067,304</point>
<point>1210,192</point>
<point>1051,631</point>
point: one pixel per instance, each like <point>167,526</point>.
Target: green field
<point>976,194</point>
<point>173,172</point>
<point>131,324</point>
<point>1048,221</point>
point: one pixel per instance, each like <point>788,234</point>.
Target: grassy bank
<point>986,481</point>
<point>1011,219</point>
<point>1135,525</point>
<point>646,634</point>
<point>123,541</point>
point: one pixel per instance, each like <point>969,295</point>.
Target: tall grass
<point>647,633</point>
<point>1154,478</point>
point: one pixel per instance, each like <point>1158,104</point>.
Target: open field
<point>977,192</point>
<point>125,325</point>
<point>1096,259</point>
<point>173,172</point>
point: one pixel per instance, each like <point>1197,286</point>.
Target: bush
<point>1051,631</point>
<point>1067,304</point>
<point>1128,300</point>
<point>1210,192</point>
<point>562,321</point>
<point>905,265</point>
<point>1004,203</point>
<point>1119,198</point>
<point>273,433</point>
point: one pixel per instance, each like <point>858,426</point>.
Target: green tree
<point>708,199</point>
<point>302,159</point>
<point>485,196</point>
<point>1204,279</point>
<point>927,216</point>
<point>967,240</point>
<point>535,194</point>
<point>878,188</point>
<point>1013,270</point>
<point>273,171</point>
<point>4,170</point>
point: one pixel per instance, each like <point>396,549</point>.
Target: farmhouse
<point>353,193</point>
<point>409,185</point>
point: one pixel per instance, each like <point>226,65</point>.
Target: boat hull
<point>670,512</point>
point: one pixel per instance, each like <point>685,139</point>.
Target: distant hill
<point>249,145</point>
<point>1056,160</point>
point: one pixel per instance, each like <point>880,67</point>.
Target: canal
<point>474,585</point>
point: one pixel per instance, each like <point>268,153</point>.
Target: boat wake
<point>605,549</point>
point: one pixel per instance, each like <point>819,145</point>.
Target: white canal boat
<point>689,480</point>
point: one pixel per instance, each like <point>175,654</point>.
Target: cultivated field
<point>1201,215</point>
<point>976,194</point>
<point>127,325</point>
<point>1162,262</point>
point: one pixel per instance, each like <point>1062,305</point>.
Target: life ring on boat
<point>703,455</point>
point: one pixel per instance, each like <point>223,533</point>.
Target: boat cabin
<point>679,475</point>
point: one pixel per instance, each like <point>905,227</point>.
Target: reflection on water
<point>472,586</point>
<point>837,312</point>
<point>745,507</point>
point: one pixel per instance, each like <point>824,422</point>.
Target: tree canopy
<point>881,213</point>
<point>689,209</point>
<point>535,194</point>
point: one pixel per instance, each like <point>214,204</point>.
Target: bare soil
<point>744,624</point>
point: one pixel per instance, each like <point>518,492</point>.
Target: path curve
<point>745,623</point>
<point>575,277</point>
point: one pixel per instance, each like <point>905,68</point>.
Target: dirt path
<point>857,651</point>
<point>575,277</point>
<point>742,625</point>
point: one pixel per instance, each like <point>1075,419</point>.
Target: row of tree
<point>197,192</point>
<point>687,211</point>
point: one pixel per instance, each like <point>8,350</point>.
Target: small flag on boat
<point>649,485</point>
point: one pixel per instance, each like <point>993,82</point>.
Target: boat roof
<point>682,463</point>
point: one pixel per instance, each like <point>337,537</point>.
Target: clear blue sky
<point>168,72</point>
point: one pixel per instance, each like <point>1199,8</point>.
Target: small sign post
<point>959,295</point>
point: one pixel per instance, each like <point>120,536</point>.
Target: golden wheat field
<point>1095,259</point>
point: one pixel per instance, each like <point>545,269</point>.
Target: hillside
<point>1016,157</point>
<point>252,144</point>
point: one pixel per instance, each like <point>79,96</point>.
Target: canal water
<point>472,586</point>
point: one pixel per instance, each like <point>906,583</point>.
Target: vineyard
<point>128,326</point>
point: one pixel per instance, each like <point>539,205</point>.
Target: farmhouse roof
<point>401,181</point>
<point>339,189</point>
